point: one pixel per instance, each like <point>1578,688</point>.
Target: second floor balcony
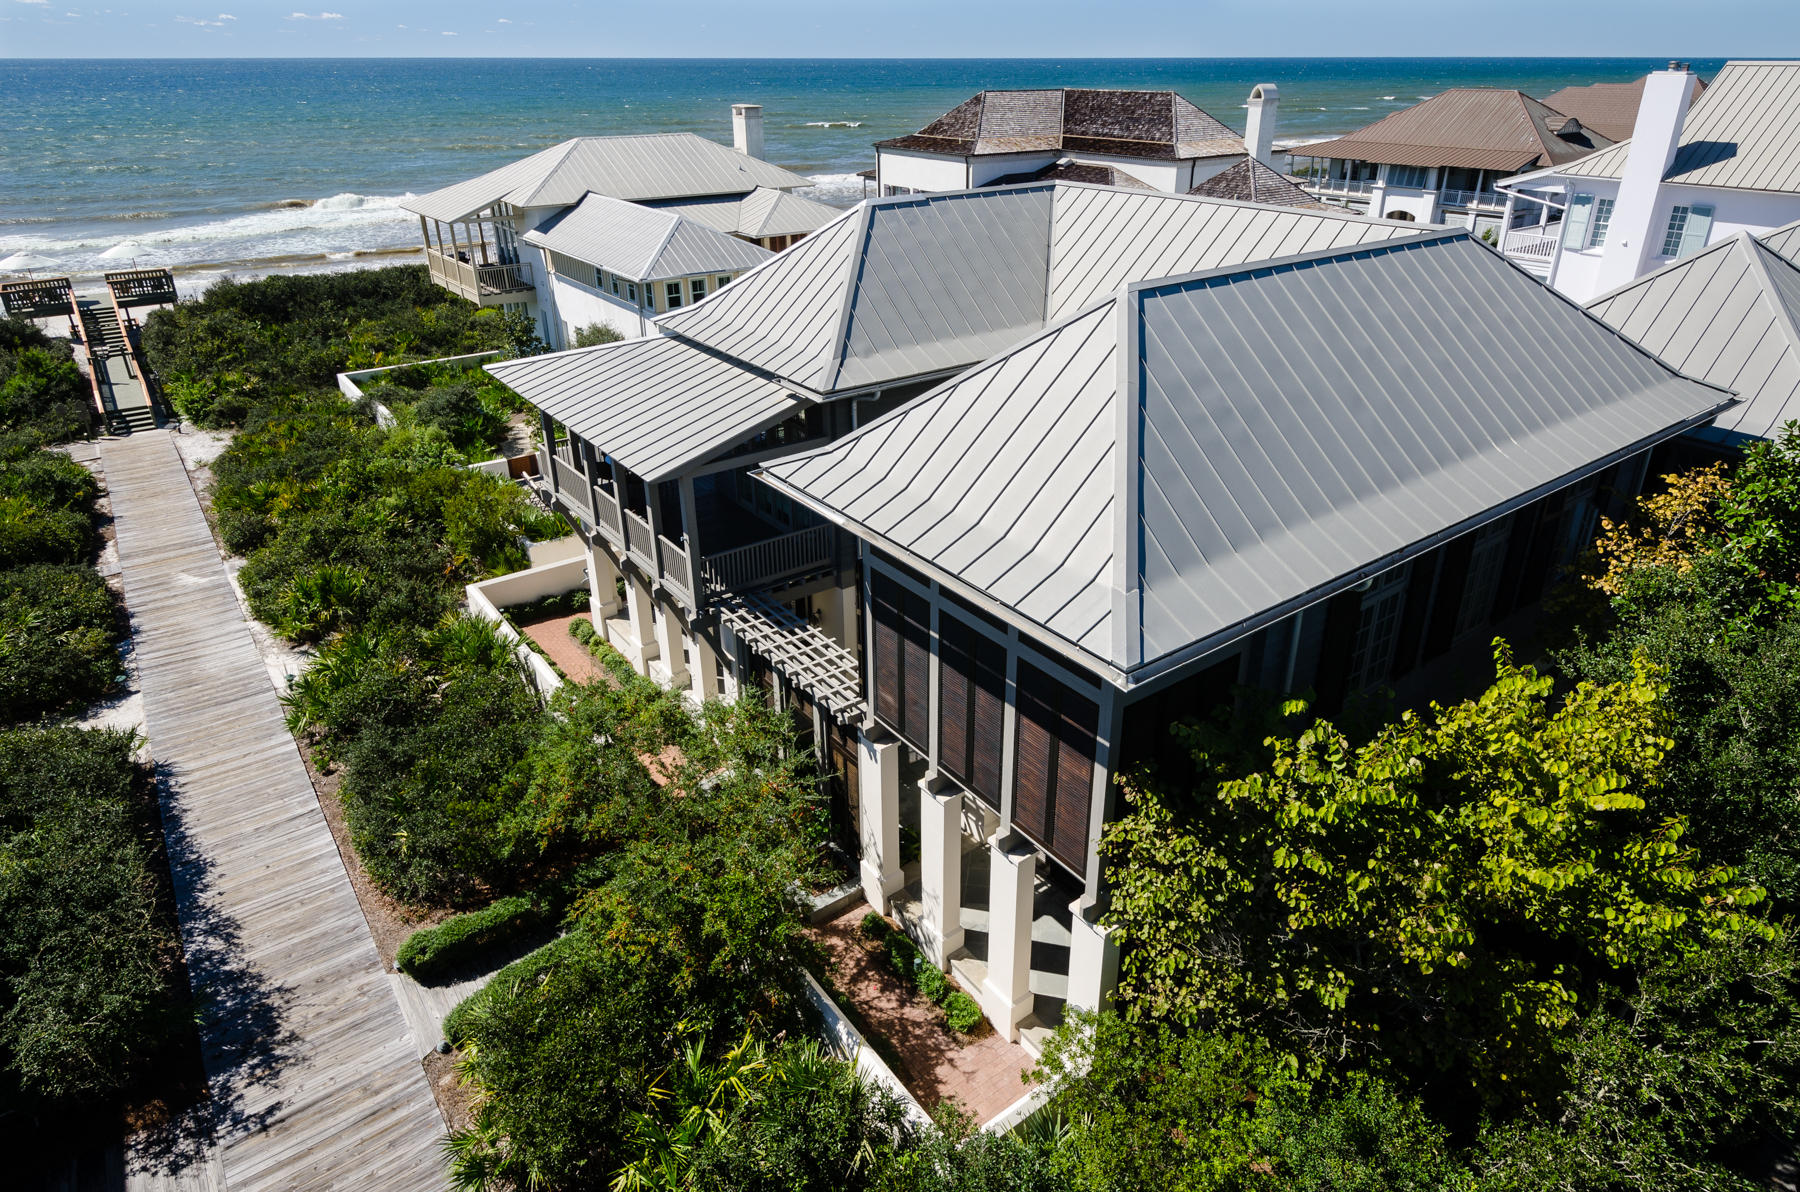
<point>484,285</point>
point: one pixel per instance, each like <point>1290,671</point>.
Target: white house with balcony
<point>474,230</point>
<point>1155,138</point>
<point>1695,172</point>
<point>1441,160</point>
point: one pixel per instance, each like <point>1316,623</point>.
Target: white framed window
<point>673,290</point>
<point>1689,226</point>
<point>696,288</point>
<point>1378,628</point>
<point>1410,176</point>
<point>723,281</point>
<point>1576,221</point>
<point>615,283</point>
<point>1603,209</point>
<point>631,292</point>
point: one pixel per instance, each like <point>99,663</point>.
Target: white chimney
<point>1259,133</point>
<point>1634,234</point>
<point>746,128</point>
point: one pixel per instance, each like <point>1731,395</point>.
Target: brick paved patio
<point>981,1072</point>
<point>552,633</point>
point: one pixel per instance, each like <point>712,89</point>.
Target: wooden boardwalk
<point>314,1075</point>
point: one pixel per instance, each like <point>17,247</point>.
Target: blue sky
<point>880,28</point>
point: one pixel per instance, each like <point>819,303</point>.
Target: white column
<point>1006,990</point>
<point>878,790</point>
<point>671,635</point>
<point>940,867</point>
<point>706,666</point>
<point>603,586</point>
<point>640,610</point>
<point>1093,961</point>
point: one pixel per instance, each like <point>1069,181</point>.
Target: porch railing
<point>474,281</point>
<point>678,569</point>
<point>764,562</point>
<point>1340,186</point>
<point>607,514</point>
<point>572,486</point>
<point>1480,200</point>
<point>1531,244</point>
<point>639,541</point>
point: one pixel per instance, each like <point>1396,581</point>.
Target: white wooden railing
<point>472,280</point>
<point>571,485</point>
<point>607,514</point>
<point>678,569</point>
<point>1531,244</point>
<point>639,541</point>
<point>760,562</point>
<point>1340,186</point>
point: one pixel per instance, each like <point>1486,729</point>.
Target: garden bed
<point>982,1072</point>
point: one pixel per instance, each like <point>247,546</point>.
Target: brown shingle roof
<point>1250,181</point>
<point>1610,109</point>
<point>1477,128</point>
<point>1155,124</point>
<point>1074,171</point>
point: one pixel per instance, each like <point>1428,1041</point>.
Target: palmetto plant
<point>691,1101</point>
<point>318,601</point>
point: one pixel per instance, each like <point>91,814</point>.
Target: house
<point>1154,138</point>
<point>1728,314</point>
<point>771,218</point>
<point>473,230</point>
<point>1695,172</point>
<point>1438,161</point>
<point>1610,109</point>
<point>616,264</point>
<point>712,582</point>
<point>1246,475</point>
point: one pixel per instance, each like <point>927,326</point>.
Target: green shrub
<point>962,1012</point>
<point>522,973</point>
<point>46,507</point>
<point>903,957</point>
<point>932,982</point>
<point>875,926</point>
<point>460,941</point>
<point>43,396</point>
<point>58,639</point>
<point>595,334</point>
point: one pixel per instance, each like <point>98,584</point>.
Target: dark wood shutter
<point>971,706</point>
<point>916,670</point>
<point>1054,773</point>
<point>884,604</point>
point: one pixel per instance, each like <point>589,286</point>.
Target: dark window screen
<point>1053,781</point>
<point>902,659</point>
<point>971,706</point>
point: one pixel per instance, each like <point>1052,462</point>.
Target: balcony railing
<point>1479,200</point>
<point>763,563</point>
<point>678,570</point>
<point>607,514</point>
<point>1340,186</point>
<point>572,486</point>
<point>640,543</point>
<point>1531,244</point>
<point>478,282</point>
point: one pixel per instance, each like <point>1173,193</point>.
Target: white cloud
<point>225,16</point>
<point>446,33</point>
<point>33,1</point>
<point>201,23</point>
<point>502,21</point>
<point>307,16</point>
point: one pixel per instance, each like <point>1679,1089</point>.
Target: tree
<point>1447,897</point>
<point>595,334</point>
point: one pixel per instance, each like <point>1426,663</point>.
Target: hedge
<point>457,942</point>
<point>961,1011</point>
<point>527,967</point>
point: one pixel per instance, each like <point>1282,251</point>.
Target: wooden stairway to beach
<point>314,1077</point>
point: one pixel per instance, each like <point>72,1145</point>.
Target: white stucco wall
<point>576,306</point>
<point>986,169</point>
<point>920,171</point>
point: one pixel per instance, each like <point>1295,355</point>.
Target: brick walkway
<point>936,1064</point>
<point>552,633</point>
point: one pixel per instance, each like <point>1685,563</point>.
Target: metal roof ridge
<point>1784,315</point>
<point>1651,276</point>
<point>567,147</point>
<point>674,219</point>
<point>837,348</point>
<point>1126,580</point>
<point>1134,288</point>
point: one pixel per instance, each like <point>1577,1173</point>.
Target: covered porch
<point>476,256</point>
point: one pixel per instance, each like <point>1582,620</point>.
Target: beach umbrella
<point>120,252</point>
<point>25,262</point>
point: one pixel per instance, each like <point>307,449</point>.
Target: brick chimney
<point>746,129</point>
<point>1259,131</point>
<point>1634,235</point>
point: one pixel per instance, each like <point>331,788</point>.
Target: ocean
<point>216,165</point>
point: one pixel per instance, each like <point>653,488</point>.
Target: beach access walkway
<point>314,1077</point>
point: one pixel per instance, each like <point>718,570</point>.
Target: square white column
<point>639,645</point>
<point>1006,991</point>
<point>1093,961</point>
<point>878,791</point>
<point>702,675</point>
<point>671,636</point>
<point>940,867</point>
<point>603,585</point>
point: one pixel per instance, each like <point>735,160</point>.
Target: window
<point>1602,216</point>
<point>615,283</point>
<point>673,290</point>
<point>902,657</point>
<point>971,706</point>
<point>1689,225</point>
<point>1486,558</point>
<point>698,287</point>
<point>1413,176</point>
<point>1576,221</point>
<point>1053,778</point>
<point>631,292</point>
<point>1378,629</point>
<point>724,280</point>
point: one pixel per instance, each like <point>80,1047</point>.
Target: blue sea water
<point>222,162</point>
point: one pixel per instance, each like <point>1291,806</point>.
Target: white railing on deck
<point>639,540</point>
<point>1340,186</point>
<point>572,486</point>
<point>607,514</point>
<point>1531,244</point>
<point>759,562</point>
<point>472,280</point>
<point>677,569</point>
<point>1481,200</point>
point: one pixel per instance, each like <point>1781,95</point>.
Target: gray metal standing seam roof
<point>1744,132</point>
<point>654,166</point>
<point>1729,314</point>
<point>1153,477</point>
<point>710,400</point>
<point>641,243</point>
<point>762,212</point>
